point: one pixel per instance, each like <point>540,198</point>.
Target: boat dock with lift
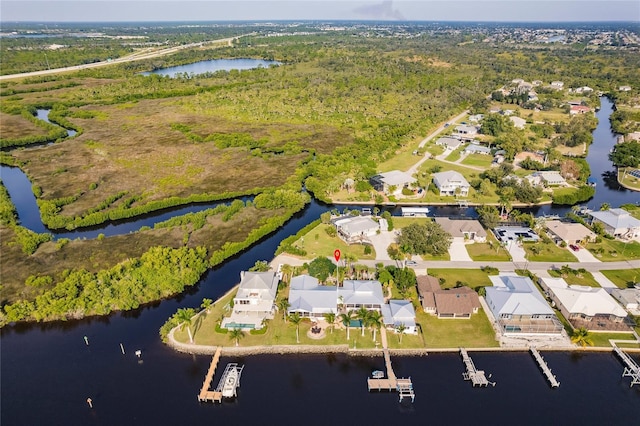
<point>631,368</point>
<point>404,386</point>
<point>545,368</point>
<point>229,382</point>
<point>476,376</point>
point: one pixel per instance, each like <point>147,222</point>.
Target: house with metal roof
<point>391,183</point>
<point>400,312</point>
<point>254,301</point>
<point>629,298</point>
<point>310,299</point>
<point>356,228</point>
<point>473,148</point>
<point>548,178</point>
<point>518,307</point>
<point>449,182</point>
<point>449,143</point>
<point>617,223</point>
<point>355,294</point>
<point>584,306</point>
<point>569,232</point>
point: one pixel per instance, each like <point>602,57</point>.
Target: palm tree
<point>236,334</point>
<point>346,320</point>
<point>330,318</point>
<point>184,317</point>
<point>400,329</point>
<point>283,305</point>
<point>295,318</point>
<point>286,270</point>
<point>363,315</point>
<point>206,304</point>
<point>375,321</point>
<point>580,336</point>
<point>605,206</point>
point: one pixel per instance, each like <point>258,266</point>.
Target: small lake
<point>203,67</point>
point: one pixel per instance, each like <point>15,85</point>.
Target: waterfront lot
<point>613,250</point>
<point>475,332</point>
<point>623,278</point>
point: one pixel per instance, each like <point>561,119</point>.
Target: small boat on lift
<point>230,383</point>
<point>377,374</point>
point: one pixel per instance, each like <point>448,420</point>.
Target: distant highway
<point>136,56</point>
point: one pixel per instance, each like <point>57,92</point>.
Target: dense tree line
<point>626,154</point>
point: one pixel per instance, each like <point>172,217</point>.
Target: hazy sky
<point>220,10</point>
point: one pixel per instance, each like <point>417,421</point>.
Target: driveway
<point>458,251</point>
<point>381,242</point>
<point>516,251</point>
<point>583,255</point>
<point>604,281</point>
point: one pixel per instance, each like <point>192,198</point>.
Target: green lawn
<point>628,180</point>
<point>602,339</point>
<point>548,252</point>
<point>318,243</point>
<point>489,251</point>
<point>475,332</point>
<point>455,155</point>
<point>584,278</point>
<point>478,160</point>
<point>473,278</point>
<point>623,278</point>
<point>612,250</point>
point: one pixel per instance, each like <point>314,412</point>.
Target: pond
<point>203,67</point>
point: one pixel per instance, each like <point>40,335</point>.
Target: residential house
<point>466,132</point>
<point>569,232</point>
<point>624,88</point>
<point>449,143</point>
<point>400,312</point>
<point>458,302</point>
<point>579,109</point>
<point>518,122</point>
<point>547,178</point>
<point>254,301</point>
<point>469,229</point>
<point>477,149</point>
<point>558,85</point>
<point>515,233</point>
<point>629,298</point>
<point>583,306</point>
<point>355,294</point>
<point>310,299</point>
<point>451,183</point>
<point>617,223</point>
<point>355,228</point>
<point>518,307</point>
<point>476,118</point>
<point>583,89</point>
<point>391,183</point>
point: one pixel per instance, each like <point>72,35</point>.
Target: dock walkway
<point>631,368</point>
<point>476,376</point>
<point>404,386</point>
<point>206,394</point>
<point>545,368</point>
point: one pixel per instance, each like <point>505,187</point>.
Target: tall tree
<point>375,321</point>
<point>295,319</point>
<point>580,336</point>
<point>184,317</point>
<point>345,319</point>
<point>363,315</point>
<point>283,304</point>
<point>236,334</point>
<point>330,317</point>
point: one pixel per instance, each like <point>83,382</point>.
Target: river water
<point>48,371</point>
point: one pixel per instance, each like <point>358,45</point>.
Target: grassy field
<point>490,251</point>
<point>602,339</point>
<point>548,252</point>
<point>478,160</point>
<point>627,180</point>
<point>455,155</point>
<point>318,243</point>
<point>16,126</point>
<point>475,332</point>
<point>614,250</point>
<point>623,278</point>
<point>473,278</point>
<point>584,278</point>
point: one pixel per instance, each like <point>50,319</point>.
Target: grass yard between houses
<point>613,250</point>
<point>473,278</point>
<point>623,278</point>
<point>478,160</point>
<point>475,332</point>
<point>602,339</point>
<point>547,252</point>
<point>491,251</point>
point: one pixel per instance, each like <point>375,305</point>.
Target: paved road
<point>136,56</point>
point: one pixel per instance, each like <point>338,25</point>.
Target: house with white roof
<point>400,312</point>
<point>356,228</point>
<point>310,299</point>
<point>584,306</point>
<point>391,183</point>
<point>466,132</point>
<point>254,301</point>
<point>518,307</point>
<point>558,85</point>
<point>547,178</point>
<point>617,223</point>
<point>356,294</point>
<point>518,122</point>
<point>449,182</point>
<point>449,143</point>
<point>629,298</point>
<point>473,148</point>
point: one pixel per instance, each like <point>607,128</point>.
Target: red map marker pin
<point>336,254</point>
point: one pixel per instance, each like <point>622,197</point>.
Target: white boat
<point>378,374</point>
<point>230,383</point>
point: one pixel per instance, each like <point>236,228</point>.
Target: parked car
<point>574,247</point>
<point>411,263</point>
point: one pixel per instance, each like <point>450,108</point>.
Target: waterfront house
<point>354,229</point>
<point>310,299</point>
<point>583,306</point>
<point>515,233</point>
<point>548,178</point>
<point>254,301</point>
<point>629,298</point>
<point>450,182</point>
<point>400,312</point>
<point>518,307</point>
<point>617,223</point>
<point>356,294</point>
<point>458,302</point>
<point>579,109</point>
<point>469,229</point>
<point>391,183</point>
<point>569,232</point>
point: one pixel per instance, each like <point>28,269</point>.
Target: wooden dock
<point>545,368</point>
<point>476,376</point>
<point>631,368</point>
<point>403,386</point>
<point>206,394</point>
